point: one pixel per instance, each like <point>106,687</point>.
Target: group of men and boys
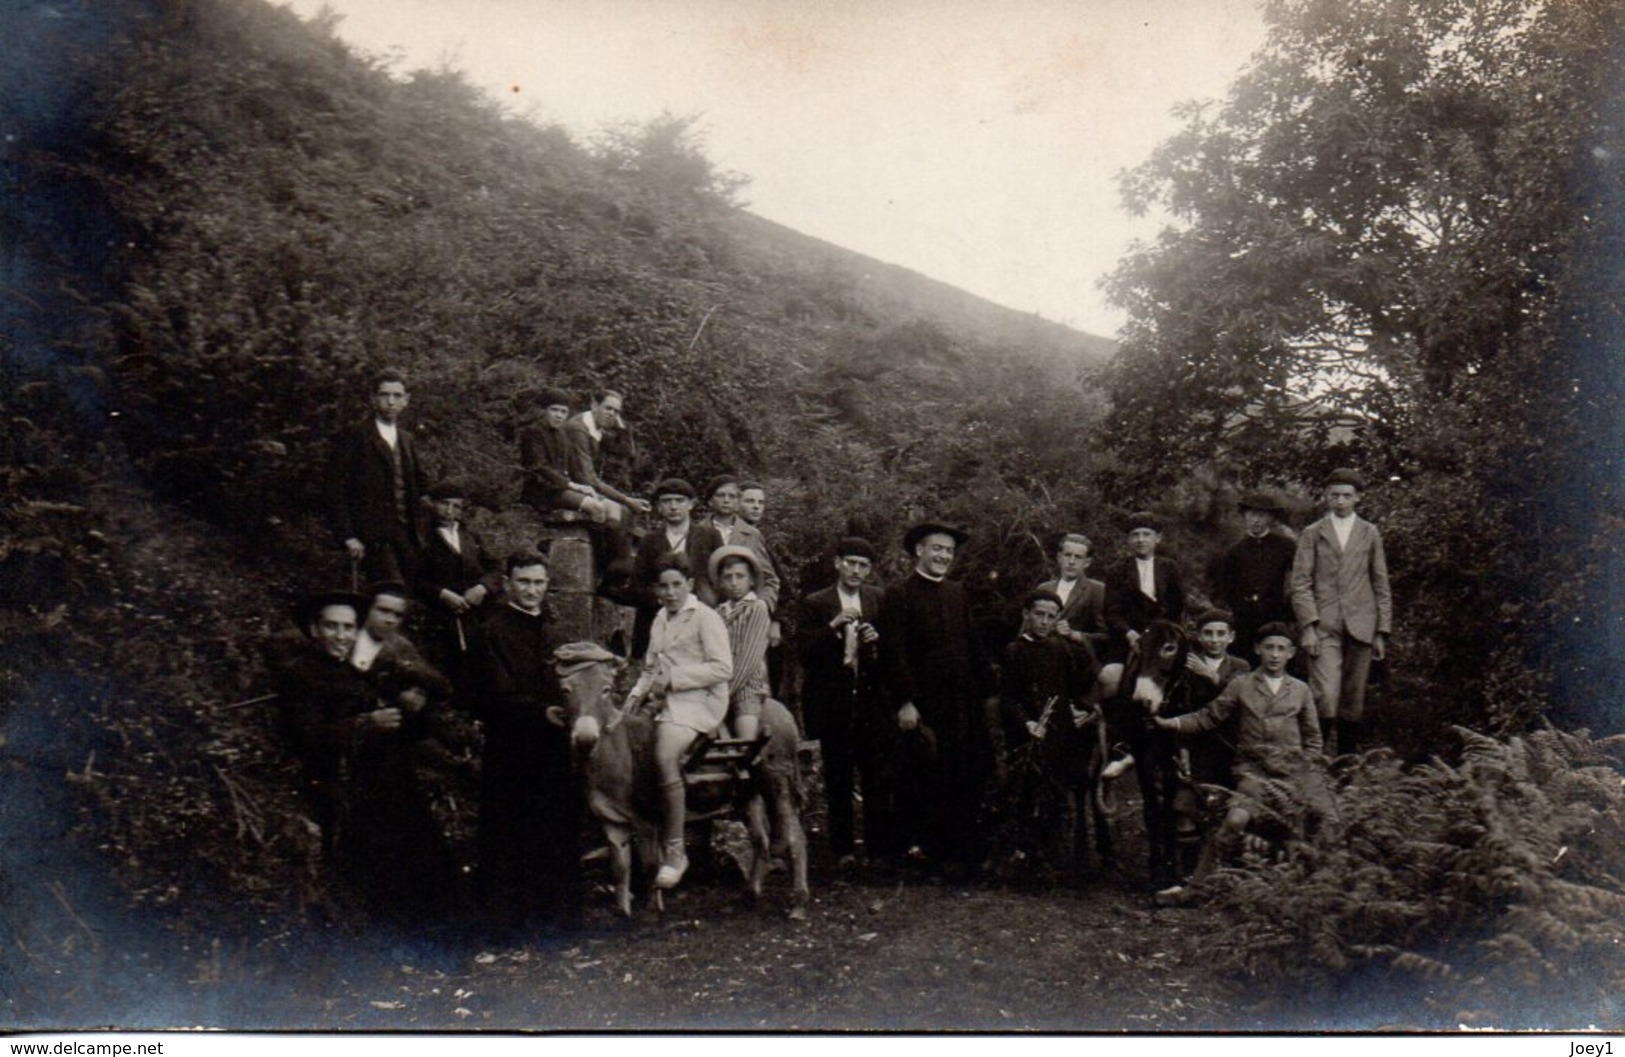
<point>906,704</point>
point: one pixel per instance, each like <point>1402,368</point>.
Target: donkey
<point>1152,683</point>
<point>617,751</point>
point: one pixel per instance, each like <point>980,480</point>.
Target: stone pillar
<point>573,581</point>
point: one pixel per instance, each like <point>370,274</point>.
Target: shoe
<point>1172,896</point>
<point>1117,768</point>
<point>672,870</point>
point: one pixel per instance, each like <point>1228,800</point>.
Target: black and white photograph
<point>696,517</point>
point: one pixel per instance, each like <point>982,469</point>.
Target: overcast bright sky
<point>974,141</point>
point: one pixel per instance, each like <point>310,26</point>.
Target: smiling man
<point>941,682</point>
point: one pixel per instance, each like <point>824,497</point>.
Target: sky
<point>977,142</point>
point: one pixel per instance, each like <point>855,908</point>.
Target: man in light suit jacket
<point>1083,601</point>
<point>375,484</point>
<point>1345,610</point>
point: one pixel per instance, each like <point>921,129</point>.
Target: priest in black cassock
<point>530,799</point>
<point>941,682</point>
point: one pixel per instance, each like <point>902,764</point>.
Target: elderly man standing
<point>939,679</point>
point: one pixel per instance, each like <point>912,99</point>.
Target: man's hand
<point>355,549</point>
<point>454,601</point>
<point>775,634</point>
<point>384,719</point>
<point>868,633</point>
<point>908,717</point>
<point>1379,647</point>
<point>842,619</point>
<point>1083,719</point>
<point>1132,636</point>
<point>1164,723</point>
<point>413,698</point>
<point>475,595</point>
<point>1311,641</point>
<point>1063,629</point>
<point>642,506</point>
<point>1035,730</point>
<point>1195,667</point>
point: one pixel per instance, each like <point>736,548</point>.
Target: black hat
<point>1346,476</point>
<point>1261,501</point>
<point>855,547</point>
<point>674,486</point>
<point>1041,594</point>
<point>310,607</point>
<point>929,528</point>
<point>448,488</point>
<point>1213,616</point>
<point>552,396</point>
<point>1272,629</point>
<point>1143,519</point>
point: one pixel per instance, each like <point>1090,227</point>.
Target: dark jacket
<point>832,693</point>
<point>703,541</point>
<point>360,485</point>
<point>1127,607</point>
<point>544,455</point>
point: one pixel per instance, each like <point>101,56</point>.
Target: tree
<point>1381,253</point>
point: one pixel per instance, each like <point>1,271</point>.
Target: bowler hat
<point>855,547</point>
<point>1261,501</point>
<point>674,486</point>
<point>310,607</point>
<point>913,536</point>
<point>722,554</point>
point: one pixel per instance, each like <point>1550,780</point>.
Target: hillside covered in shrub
<point>220,222</point>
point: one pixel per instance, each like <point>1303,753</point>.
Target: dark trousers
<point>850,757</point>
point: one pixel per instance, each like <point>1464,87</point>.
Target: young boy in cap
<point>843,701</point>
<point>1142,587</point>
<point>1251,578</point>
<point>1344,606</point>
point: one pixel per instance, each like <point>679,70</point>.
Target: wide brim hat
<point>733,550</point>
<point>1261,501</point>
<point>930,528</point>
<point>311,606</point>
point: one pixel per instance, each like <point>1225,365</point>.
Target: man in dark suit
<point>374,484</point>
<point>843,703</point>
<point>1083,601</point>
<point>1141,588</point>
<point>458,581</point>
<point>1252,575</point>
<point>678,531</point>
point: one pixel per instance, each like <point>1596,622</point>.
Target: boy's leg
<point>1326,681</point>
<point>1351,710</point>
<point>671,741</point>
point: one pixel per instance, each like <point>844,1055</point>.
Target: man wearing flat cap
<point>843,701</point>
<point>1345,609</point>
<point>1251,578</point>
<point>677,532</point>
<point>938,678</point>
<point>1142,587</point>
